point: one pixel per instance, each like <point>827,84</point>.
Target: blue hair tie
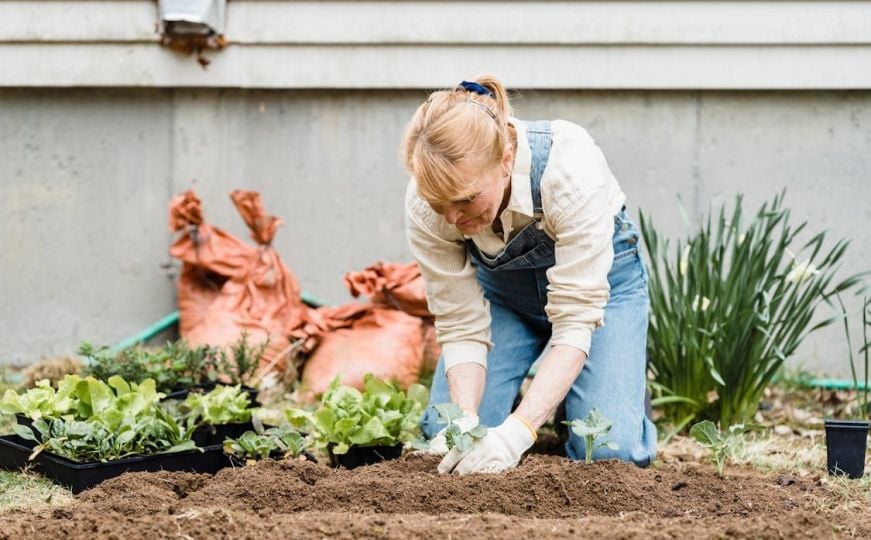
<point>476,88</point>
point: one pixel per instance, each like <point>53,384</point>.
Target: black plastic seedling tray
<point>367,455</point>
<point>77,476</point>
<point>182,394</point>
<point>208,435</point>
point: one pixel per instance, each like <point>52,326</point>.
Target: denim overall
<point>515,283</point>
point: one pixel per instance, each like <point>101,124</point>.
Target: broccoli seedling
<point>455,437</point>
<point>592,427</point>
<point>722,444</point>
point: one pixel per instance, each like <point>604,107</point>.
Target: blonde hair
<point>452,127</point>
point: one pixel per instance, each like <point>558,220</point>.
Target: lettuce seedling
<point>223,405</point>
<point>380,415</point>
<point>455,437</point>
<point>43,400</point>
<point>594,426</point>
<point>264,443</point>
<point>722,444</point>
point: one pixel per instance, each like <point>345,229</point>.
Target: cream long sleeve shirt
<point>580,198</point>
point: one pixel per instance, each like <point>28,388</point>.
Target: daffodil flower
<point>684,261</point>
<point>802,271</point>
<point>703,300</point>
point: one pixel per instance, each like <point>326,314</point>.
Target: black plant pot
<point>207,435</point>
<point>183,393</point>
<point>357,456</point>
<point>846,442</point>
<point>277,456</point>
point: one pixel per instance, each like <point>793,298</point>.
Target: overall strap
<point>540,139</point>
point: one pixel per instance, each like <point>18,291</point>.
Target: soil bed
<point>545,497</point>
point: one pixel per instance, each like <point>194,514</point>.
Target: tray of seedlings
<point>87,430</point>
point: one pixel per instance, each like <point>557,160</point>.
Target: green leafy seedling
<point>595,425</point>
<point>455,437</point>
<point>722,444</point>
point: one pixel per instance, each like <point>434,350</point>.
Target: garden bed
<point>545,497</point>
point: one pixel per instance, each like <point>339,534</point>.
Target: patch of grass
<point>846,494</point>
<point>771,453</point>
<point>25,490</point>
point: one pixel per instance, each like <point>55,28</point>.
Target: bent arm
<point>555,375</point>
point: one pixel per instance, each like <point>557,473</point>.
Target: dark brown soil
<point>545,497</point>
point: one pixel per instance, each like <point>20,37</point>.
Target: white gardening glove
<point>438,444</point>
<point>500,449</point>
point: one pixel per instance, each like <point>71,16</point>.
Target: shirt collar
<point>520,200</point>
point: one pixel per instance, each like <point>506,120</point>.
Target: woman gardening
<point>522,238</point>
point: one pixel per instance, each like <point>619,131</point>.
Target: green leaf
<point>340,448</point>
<point>419,394</point>
<point>448,412</point>
<point>371,432</point>
<point>120,385</point>
<point>464,442</point>
<point>706,433</point>
<point>24,432</point>
<point>478,432</point>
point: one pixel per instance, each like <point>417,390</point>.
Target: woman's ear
<point>508,157</point>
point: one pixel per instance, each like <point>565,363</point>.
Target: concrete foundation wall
<point>86,174</point>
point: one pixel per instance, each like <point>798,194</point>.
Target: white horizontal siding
<point>410,44</point>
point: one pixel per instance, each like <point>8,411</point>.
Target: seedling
<point>110,421</point>
<point>455,437</point>
<point>594,426</point>
<point>263,443</point>
<point>722,444</point>
<point>223,405</point>
<point>381,415</point>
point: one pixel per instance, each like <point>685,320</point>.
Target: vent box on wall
<point>192,17</point>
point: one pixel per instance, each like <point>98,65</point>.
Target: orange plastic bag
<point>395,285</point>
<point>357,339</point>
<point>227,287</point>
<point>401,287</point>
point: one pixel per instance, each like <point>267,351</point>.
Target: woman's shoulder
<point>566,131</point>
<point>576,168</point>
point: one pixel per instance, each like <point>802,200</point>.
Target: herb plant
<point>721,444</point>
<point>455,437</point>
<point>729,305</point>
<point>381,415</point>
<point>172,367</point>
<point>176,365</point>
<point>592,427</point>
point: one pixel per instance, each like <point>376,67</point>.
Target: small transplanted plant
<point>455,437</point>
<point>284,441</point>
<point>595,425</point>
<point>722,444</point>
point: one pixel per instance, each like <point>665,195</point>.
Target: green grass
<point>25,490</point>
